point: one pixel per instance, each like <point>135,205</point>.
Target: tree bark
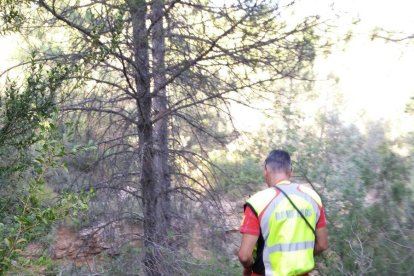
<point>161,133</point>
<point>153,139</point>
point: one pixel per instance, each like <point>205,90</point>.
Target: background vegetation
<point>121,154</point>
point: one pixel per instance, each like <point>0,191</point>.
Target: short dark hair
<point>278,161</point>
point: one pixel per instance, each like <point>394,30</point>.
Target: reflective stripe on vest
<point>294,246</point>
<point>289,242</point>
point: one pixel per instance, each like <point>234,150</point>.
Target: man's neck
<point>279,180</point>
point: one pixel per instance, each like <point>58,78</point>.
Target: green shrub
<point>238,172</point>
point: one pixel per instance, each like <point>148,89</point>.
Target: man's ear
<point>290,173</point>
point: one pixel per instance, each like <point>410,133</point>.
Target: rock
<point>82,246</point>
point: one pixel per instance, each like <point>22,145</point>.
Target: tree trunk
<point>153,140</point>
<point>161,153</point>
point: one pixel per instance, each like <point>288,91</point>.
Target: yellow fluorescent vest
<point>288,240</point>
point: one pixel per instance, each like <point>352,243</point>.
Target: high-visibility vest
<point>287,241</point>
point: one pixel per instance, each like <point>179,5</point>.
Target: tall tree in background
<point>159,78</point>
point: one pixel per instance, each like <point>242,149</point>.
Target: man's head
<point>277,166</point>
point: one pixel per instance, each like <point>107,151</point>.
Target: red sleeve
<point>322,219</point>
<point>250,223</point>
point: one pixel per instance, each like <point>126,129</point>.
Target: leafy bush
<point>27,130</point>
<point>237,172</point>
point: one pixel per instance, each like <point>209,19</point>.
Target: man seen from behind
<point>284,226</point>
